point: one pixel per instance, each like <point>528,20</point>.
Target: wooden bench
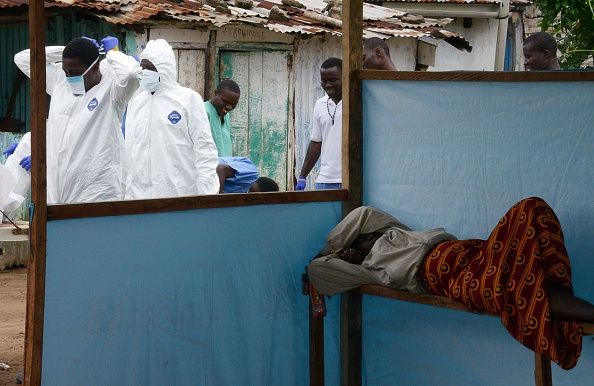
<point>351,334</point>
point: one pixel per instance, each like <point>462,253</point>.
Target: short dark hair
<point>373,43</point>
<point>230,85</point>
<point>332,62</point>
<point>82,49</point>
<point>542,41</point>
<point>267,184</point>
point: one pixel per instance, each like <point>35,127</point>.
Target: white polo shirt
<point>330,134</point>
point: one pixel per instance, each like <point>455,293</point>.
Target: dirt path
<point>13,290</point>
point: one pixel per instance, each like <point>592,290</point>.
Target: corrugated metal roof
<point>514,2</point>
<point>301,16</point>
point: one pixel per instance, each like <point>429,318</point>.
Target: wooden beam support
<point>352,179</point>
<point>316,349</point>
<point>36,273</point>
<point>351,338</point>
<point>352,120</point>
<point>542,371</point>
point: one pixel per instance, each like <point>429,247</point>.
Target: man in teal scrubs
<point>225,99</point>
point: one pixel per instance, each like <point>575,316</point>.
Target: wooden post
<point>351,338</point>
<point>542,371</point>
<point>352,178</point>
<point>316,349</point>
<point>211,62</point>
<point>352,137</point>
<point>36,273</point>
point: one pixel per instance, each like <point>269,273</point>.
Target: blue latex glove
<point>108,43</point>
<point>300,183</point>
<point>92,41</point>
<point>26,163</point>
<point>10,149</point>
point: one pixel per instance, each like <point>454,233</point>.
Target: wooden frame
<point>479,76</point>
<point>352,176</point>
<point>353,75</point>
<point>36,267</point>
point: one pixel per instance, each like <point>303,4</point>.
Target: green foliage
<point>573,23</point>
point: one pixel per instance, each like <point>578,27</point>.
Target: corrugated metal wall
<point>60,30</point>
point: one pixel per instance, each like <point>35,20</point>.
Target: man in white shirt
<point>84,141</point>
<point>169,147</point>
<point>326,136</point>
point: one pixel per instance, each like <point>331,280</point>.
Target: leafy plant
<point>573,23</point>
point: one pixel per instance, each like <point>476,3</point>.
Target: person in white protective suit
<point>15,176</point>
<point>84,141</point>
<point>170,151</point>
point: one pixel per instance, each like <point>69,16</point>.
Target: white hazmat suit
<point>84,141</point>
<point>169,147</point>
<point>15,181</point>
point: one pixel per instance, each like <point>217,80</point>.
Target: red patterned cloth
<point>508,275</point>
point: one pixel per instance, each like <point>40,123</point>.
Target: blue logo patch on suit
<point>92,104</point>
<point>174,117</point>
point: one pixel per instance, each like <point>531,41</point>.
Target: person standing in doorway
<point>224,100</point>
<point>326,135</point>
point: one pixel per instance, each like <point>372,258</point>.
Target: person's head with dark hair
<point>376,55</point>
<point>331,76</point>
<point>226,97</point>
<point>332,62</point>
<point>264,184</point>
<point>81,58</point>
<point>540,52</point>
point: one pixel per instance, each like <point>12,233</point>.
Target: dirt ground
<point>13,290</point>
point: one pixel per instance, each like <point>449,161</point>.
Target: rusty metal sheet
<point>313,18</point>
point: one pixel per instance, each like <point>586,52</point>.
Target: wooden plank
<point>256,103</point>
<point>588,328</point>
<point>212,53</point>
<point>118,208</point>
<point>316,349</point>
<point>480,76</point>
<point>352,107</point>
<point>274,120</point>
<point>352,179</point>
<point>351,338</point>
<point>542,371</point>
<point>191,67</point>
<point>36,269</point>
<point>236,65</point>
<point>431,300</point>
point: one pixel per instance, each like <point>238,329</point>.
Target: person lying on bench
<point>521,272</point>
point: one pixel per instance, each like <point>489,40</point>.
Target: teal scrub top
<point>220,131</point>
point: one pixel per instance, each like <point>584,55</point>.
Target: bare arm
<point>223,172</point>
<point>311,157</point>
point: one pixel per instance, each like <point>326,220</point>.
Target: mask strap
<point>91,66</point>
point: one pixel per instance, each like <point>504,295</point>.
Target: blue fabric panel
<point>458,155</point>
<point>205,297</point>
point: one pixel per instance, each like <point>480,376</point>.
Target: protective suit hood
<point>160,53</point>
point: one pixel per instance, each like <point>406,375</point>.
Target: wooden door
<point>191,69</point>
<point>260,122</point>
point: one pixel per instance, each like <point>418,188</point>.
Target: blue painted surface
<point>459,154</point>
<point>204,297</point>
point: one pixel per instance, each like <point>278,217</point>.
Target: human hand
<point>301,181</point>
<point>26,163</point>
<point>10,149</point>
<point>92,41</point>
<point>109,43</point>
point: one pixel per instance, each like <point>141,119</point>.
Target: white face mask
<point>77,83</point>
<point>150,80</point>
